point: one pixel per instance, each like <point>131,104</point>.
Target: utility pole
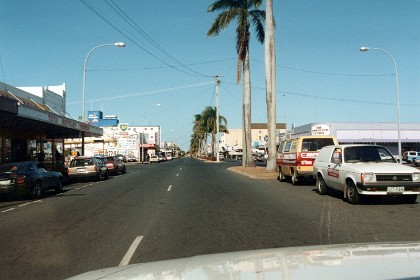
<point>217,118</point>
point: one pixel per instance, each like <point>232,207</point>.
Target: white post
<point>217,118</point>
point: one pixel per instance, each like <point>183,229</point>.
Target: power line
<point>144,93</point>
<point>127,19</point>
<point>159,67</point>
<point>285,93</point>
<point>327,73</point>
<point>101,15</point>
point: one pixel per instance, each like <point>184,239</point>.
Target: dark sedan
<point>28,177</point>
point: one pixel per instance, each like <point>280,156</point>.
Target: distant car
<point>28,177</point>
<point>131,158</point>
<point>115,164</point>
<point>410,156</point>
<point>154,159</point>
<point>122,157</point>
<point>168,157</point>
<point>87,167</point>
<point>161,158</point>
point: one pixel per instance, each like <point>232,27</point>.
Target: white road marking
<point>131,250</point>
<point>170,187</point>
<point>180,168</point>
<point>27,203</point>
<point>7,210</point>
<point>177,174</point>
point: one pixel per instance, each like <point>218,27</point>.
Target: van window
<point>281,147</point>
<point>293,147</point>
<point>315,144</point>
<point>287,147</point>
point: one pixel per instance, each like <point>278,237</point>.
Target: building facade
<point>385,134</point>
<point>34,121</point>
<point>259,136</point>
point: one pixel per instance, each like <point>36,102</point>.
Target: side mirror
<point>337,158</point>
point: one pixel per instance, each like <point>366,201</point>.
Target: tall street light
<point>365,49</point>
<point>117,44</point>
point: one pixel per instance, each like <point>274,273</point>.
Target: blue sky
<point>321,74</point>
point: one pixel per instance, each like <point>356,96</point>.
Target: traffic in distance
<point>33,178</point>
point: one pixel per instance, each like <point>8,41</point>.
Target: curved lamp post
<point>365,49</point>
<point>117,44</point>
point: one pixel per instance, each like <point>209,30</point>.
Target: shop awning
<point>17,117</point>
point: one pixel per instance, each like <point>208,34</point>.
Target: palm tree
<point>270,81</point>
<point>199,136</point>
<point>246,13</point>
<point>210,123</point>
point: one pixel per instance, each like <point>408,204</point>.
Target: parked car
<point>161,158</point>
<point>411,156</point>
<point>362,170</point>
<point>87,167</point>
<point>29,177</point>
<point>131,158</point>
<point>122,157</point>
<point>115,165</point>
<point>154,159</point>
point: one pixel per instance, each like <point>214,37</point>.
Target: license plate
<point>81,170</point>
<point>5,183</point>
<point>395,189</point>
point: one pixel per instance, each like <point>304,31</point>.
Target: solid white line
<point>131,250</point>
<point>4,211</point>
<point>170,187</point>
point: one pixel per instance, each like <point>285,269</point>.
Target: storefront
<point>32,131</point>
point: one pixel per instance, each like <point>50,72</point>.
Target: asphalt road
<point>182,208</point>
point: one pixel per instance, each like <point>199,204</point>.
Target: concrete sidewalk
<point>258,172</point>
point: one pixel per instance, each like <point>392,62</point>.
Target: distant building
<point>385,134</point>
<point>259,136</point>
<point>119,138</point>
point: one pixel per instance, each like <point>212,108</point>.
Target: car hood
<point>350,261</point>
<point>382,167</point>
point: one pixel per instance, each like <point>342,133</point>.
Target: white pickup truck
<point>360,170</point>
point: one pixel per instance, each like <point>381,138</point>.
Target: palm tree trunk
<point>246,114</point>
<point>270,80</point>
<point>213,143</point>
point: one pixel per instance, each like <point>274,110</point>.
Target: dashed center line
<point>131,250</point>
<point>7,210</point>
<point>169,188</point>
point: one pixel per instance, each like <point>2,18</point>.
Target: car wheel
<point>321,186</point>
<point>99,176</point>
<point>37,190</point>
<point>353,197</point>
<point>294,178</point>
<point>117,171</point>
<point>124,170</point>
<point>281,177</point>
<point>59,187</point>
<point>411,198</point>
<point>106,176</point>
